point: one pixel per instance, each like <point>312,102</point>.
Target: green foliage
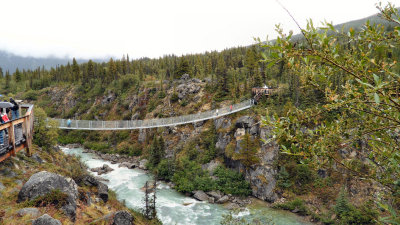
<point>349,214</point>
<point>283,178</point>
<point>231,182</point>
<point>31,95</point>
<point>156,151</point>
<point>248,151</point>
<point>297,204</point>
<point>45,132</point>
<point>97,146</point>
<point>174,97</point>
<point>189,176</point>
<point>355,85</point>
<point>56,198</point>
<point>165,170</point>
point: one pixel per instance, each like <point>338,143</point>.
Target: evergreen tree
<point>90,70</point>
<point>222,76</point>
<point>183,67</point>
<point>1,73</point>
<point>248,152</point>
<point>156,151</point>
<point>18,75</point>
<point>8,80</point>
<point>75,70</point>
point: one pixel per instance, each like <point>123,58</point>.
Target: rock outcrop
<point>123,218</point>
<point>46,220</point>
<point>42,183</point>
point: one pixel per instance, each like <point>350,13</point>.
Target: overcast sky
<point>152,28</point>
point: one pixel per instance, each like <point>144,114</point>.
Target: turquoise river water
<point>172,206</point>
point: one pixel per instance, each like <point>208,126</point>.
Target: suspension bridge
<point>151,123</point>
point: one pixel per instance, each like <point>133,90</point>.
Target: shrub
<point>231,182</point>
<point>31,95</point>
<point>283,178</point>
<point>56,198</point>
<point>296,204</point>
<point>165,170</point>
<point>349,214</point>
<point>174,97</point>
<point>45,132</point>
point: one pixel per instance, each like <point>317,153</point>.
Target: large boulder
<point>102,170</point>
<point>102,189</point>
<point>201,196</point>
<point>46,220</point>
<point>123,218</point>
<point>42,183</point>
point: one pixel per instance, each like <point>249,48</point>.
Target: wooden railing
<point>24,124</point>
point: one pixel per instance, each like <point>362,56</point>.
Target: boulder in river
<point>200,195</point>
<point>102,170</point>
<point>43,183</point>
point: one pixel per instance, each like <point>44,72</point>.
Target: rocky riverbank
<point>214,197</point>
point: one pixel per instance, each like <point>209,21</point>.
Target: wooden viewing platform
<point>15,142</point>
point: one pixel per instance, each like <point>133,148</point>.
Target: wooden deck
<point>27,122</point>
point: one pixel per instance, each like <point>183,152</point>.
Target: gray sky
<point>152,28</point>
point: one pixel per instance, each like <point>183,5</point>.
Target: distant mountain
<point>10,61</point>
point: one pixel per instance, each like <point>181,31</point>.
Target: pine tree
<point>222,76</point>
<point>156,151</point>
<point>90,70</point>
<point>8,80</point>
<point>18,75</point>
<point>75,70</point>
<point>183,67</point>
<point>1,73</point>
<point>248,152</point>
<point>112,70</point>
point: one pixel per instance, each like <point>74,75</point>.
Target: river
<point>172,206</point>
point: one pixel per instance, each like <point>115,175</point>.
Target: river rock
<point>216,194</point>
<point>46,220</point>
<point>34,212</point>
<point>7,172</point>
<point>200,195</point>
<point>127,165</point>
<point>142,164</point>
<point>231,206</point>
<point>102,170</point>
<point>123,218</point>
<point>223,199</point>
<point>42,183</point>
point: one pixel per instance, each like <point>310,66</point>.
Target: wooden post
<point>12,138</point>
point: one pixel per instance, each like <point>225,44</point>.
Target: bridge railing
<point>150,123</point>
<point>17,134</point>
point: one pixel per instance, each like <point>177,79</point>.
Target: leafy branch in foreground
<point>357,75</point>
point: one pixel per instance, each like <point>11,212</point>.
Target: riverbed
<point>174,207</point>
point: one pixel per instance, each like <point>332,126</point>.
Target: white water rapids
<point>172,206</point>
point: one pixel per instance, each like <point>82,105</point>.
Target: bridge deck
<point>152,123</point>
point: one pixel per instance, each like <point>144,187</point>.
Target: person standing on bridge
<point>230,107</point>
<point>69,123</point>
<point>14,109</point>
